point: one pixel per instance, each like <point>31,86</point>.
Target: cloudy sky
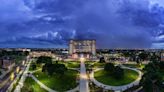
<point>51,23</point>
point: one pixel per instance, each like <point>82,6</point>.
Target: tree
<point>127,54</point>
<point>45,67</point>
<point>154,57</point>
<point>26,53</point>
<point>50,70</point>
<point>143,56</point>
<point>137,61</point>
<point>102,60</point>
<point>44,59</point>
<point>54,68</point>
<point>60,68</point>
<point>151,80</point>
<point>118,72</point>
<point>33,66</point>
<point>109,67</point>
<point>161,65</point>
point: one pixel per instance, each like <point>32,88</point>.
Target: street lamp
<point>17,69</point>
<point>12,76</point>
<point>82,59</point>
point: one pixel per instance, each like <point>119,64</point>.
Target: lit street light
<point>17,69</point>
<point>82,59</point>
<point>12,76</point>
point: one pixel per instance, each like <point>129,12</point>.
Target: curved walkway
<point>116,88</point>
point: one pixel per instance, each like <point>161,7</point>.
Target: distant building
<point>7,63</point>
<point>162,56</point>
<point>82,48</point>
<point>41,53</point>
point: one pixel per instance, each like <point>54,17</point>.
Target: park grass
<point>99,65</point>
<point>71,64</point>
<point>31,86</point>
<point>94,64</point>
<point>103,77</point>
<point>58,83</point>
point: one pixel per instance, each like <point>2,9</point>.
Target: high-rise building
<point>82,48</point>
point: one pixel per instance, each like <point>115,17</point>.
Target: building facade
<point>40,53</point>
<point>82,48</point>
<point>7,63</point>
<point>162,56</point>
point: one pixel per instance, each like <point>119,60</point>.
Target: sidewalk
<point>83,78</point>
<point>117,88</point>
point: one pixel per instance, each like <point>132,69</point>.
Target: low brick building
<point>7,63</point>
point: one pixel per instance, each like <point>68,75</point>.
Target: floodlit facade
<point>82,48</point>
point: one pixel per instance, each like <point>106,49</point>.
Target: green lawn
<point>99,65</point>
<point>103,77</point>
<point>31,86</point>
<point>71,64</point>
<point>94,64</point>
<point>59,83</point>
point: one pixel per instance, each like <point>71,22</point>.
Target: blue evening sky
<point>51,23</point>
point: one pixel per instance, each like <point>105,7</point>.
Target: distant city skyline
<point>52,23</point>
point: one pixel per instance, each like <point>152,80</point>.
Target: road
<point>83,78</point>
<point>23,77</point>
<point>5,82</point>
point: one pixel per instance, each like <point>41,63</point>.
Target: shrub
<point>109,67</point>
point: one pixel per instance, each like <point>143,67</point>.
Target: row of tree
<point>141,56</point>
<point>56,68</point>
<point>114,71</point>
<point>152,78</point>
<point>13,53</point>
<point>49,67</point>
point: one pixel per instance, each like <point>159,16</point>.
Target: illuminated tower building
<point>82,48</point>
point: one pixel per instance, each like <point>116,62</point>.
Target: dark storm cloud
<point>113,26</point>
<point>113,23</point>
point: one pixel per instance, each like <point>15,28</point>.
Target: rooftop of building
<point>82,39</point>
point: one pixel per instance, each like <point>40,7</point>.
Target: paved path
<point>23,78</point>
<point>83,78</point>
<point>35,71</point>
<point>117,88</point>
